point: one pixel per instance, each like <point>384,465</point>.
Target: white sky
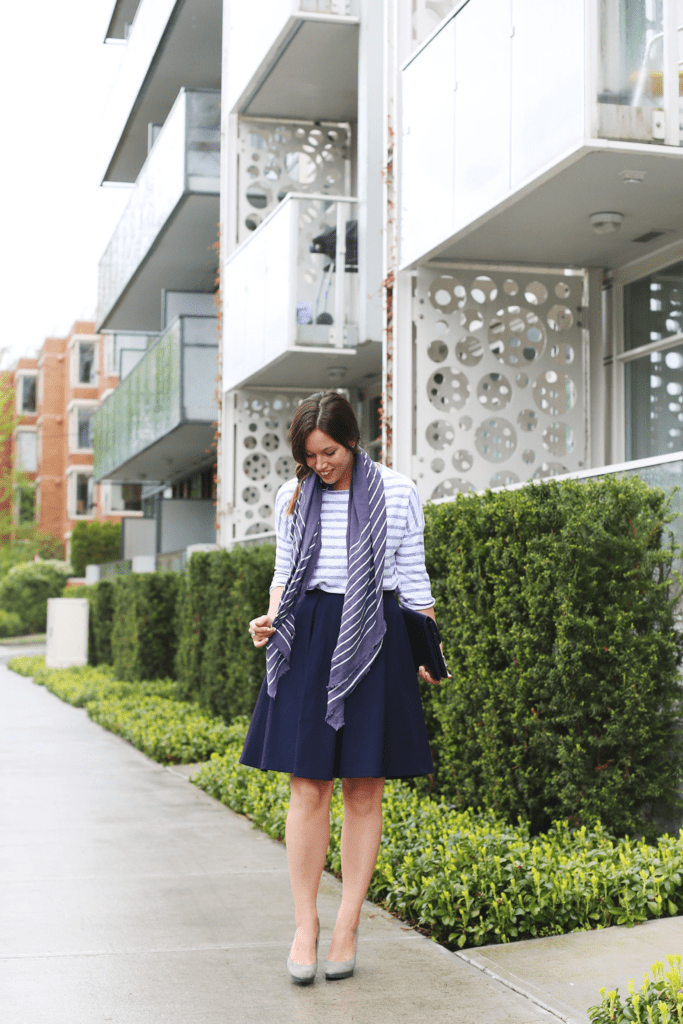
<point>55,75</point>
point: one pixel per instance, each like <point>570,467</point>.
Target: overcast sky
<point>55,75</point>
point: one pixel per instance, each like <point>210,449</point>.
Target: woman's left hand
<point>426,677</point>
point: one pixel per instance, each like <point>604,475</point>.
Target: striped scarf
<point>362,626</point>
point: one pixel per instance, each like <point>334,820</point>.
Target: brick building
<point>57,395</point>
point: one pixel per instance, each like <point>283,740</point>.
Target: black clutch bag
<point>425,640</point>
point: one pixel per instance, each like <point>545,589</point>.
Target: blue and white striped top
<point>404,565</point>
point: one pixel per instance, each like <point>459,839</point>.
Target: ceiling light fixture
<point>632,177</point>
<point>606,223</point>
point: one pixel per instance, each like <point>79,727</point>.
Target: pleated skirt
<point>384,733</point>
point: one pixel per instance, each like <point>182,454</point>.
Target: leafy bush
<point>26,588</point>
<point>143,636</point>
<point>93,543</point>
<point>217,663</point>
<point>659,1001</point>
<point>555,606</point>
<point>79,686</point>
<point>44,545</point>
<point>10,623</point>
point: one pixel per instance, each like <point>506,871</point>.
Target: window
<point>86,425</point>
<point>84,494</point>
<point>653,363</point>
<point>26,451</point>
<point>85,355</point>
<point>27,394</point>
<point>125,498</point>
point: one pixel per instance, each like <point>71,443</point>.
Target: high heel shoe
<point>303,974</point>
<point>335,970</point>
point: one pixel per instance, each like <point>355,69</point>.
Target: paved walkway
<point>128,895</point>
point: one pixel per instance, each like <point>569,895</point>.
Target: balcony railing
<point>292,286</point>
<point>184,160</point>
<point>173,385</point>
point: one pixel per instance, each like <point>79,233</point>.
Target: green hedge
<point>143,636</point>
<point>555,607</point>
<point>217,663</point>
<point>93,543</point>
<point>25,590</point>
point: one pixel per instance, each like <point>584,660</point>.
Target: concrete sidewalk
<point>128,895</point>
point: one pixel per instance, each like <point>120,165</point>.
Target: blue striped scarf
<point>362,626</point>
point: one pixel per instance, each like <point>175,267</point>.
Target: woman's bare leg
<point>307,836</point>
<point>361,834</point>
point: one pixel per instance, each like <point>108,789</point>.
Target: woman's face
<point>330,460</point>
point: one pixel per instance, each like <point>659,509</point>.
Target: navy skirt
<point>384,733</point>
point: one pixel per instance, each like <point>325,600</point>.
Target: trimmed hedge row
<point>659,1001</point>
<point>555,604</point>
<point>466,878</point>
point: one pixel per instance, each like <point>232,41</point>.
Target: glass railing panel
<point>284,288</point>
<point>185,157</point>
<point>425,16</point>
<point>631,70</point>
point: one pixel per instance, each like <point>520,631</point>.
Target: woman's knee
<point>364,796</point>
<point>310,795</point>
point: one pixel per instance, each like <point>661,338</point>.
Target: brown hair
<point>327,411</point>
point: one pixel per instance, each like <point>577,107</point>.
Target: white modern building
<point>502,182</point>
<point>465,213</point>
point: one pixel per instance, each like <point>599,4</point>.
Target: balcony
<point>164,237</point>
<point>293,58</point>
<point>512,142</point>
<point>170,45</point>
<point>292,316</point>
<point>160,421</point>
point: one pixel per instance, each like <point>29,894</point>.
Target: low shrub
<point>555,605</point>
<point>143,635</point>
<point>10,623</point>
<point>659,1001</point>
<point>79,686</point>
<point>25,590</point>
<point>93,543</point>
<point>470,879</point>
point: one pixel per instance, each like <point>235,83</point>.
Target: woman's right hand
<point>261,630</point>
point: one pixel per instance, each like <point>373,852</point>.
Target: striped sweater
<point>404,566</point>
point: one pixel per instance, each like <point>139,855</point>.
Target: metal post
<point>670,70</point>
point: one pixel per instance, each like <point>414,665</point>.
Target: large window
<point>83,355</point>
<point>82,495</point>
<point>82,427</point>
<point>653,363</point>
<point>125,498</point>
<point>25,508</point>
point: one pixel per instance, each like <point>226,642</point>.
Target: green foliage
<point>100,597</point>
<point>45,545</point>
<point>217,663</point>
<point>27,665</point>
<point>10,623</point>
<point>659,1001</point>
<point>26,588</point>
<point>469,878</point>
<point>554,602</point>
<point>143,637</point>
<point>94,543</point>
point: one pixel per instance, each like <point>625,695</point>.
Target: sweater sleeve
<point>414,589</point>
<point>283,551</point>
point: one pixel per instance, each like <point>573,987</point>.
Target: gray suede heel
<point>304,974</point>
<point>335,970</point>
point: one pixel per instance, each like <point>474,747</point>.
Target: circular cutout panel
<point>560,318</point>
<point>448,389</point>
<point>438,351</point>
<point>447,294</point>
<point>483,290</point>
<point>256,466</point>
<point>503,479</point>
<point>558,439</point>
<point>270,442</point>
<point>447,488</point>
<point>494,391</point>
<point>495,439</point>
<point>516,336</point>
<point>555,393</point>
<point>250,495</point>
<point>440,434</point>
<point>285,467</point>
<point>462,461</point>
<point>469,351</point>
<point>549,469</point>
<point>527,420</point>
<point>535,293</point>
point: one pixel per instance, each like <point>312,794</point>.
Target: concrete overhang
<point>311,73</point>
<point>123,14</point>
<point>188,55</point>
<point>302,367</point>
<point>546,221</point>
<point>183,258</point>
<point>184,450</point>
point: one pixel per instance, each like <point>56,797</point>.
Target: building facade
<point>472,231</point>
<point>57,395</point>
<point>158,276</point>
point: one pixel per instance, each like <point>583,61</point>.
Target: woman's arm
<point>261,628</point>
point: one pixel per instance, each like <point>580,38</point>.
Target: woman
<point>340,698</point>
